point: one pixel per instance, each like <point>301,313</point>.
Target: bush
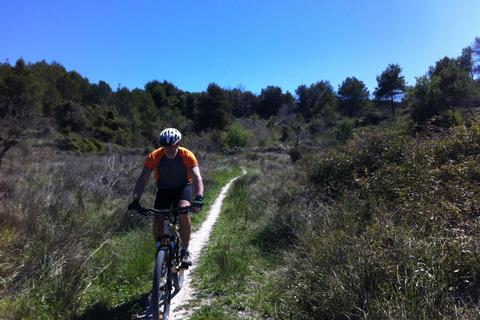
<point>344,130</point>
<point>339,169</point>
<point>68,113</point>
<point>112,124</point>
<point>235,137</point>
<point>285,133</point>
<point>122,138</point>
<point>103,133</point>
<point>295,154</point>
<point>80,145</point>
<point>399,207</point>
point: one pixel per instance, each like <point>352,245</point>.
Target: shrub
<point>80,145</point>
<point>122,138</point>
<point>344,130</point>
<point>112,124</point>
<point>68,143</point>
<point>103,133</point>
<point>97,145</point>
<point>235,136</point>
<point>285,133</point>
<point>398,238</point>
<point>295,154</point>
<point>68,113</point>
<point>339,169</point>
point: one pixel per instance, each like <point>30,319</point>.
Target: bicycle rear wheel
<point>161,288</point>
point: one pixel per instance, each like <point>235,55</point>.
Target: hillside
<point>385,227</point>
<point>352,207</point>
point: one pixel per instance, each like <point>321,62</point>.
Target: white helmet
<point>170,137</point>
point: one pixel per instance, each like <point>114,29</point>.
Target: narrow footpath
<point>197,242</point>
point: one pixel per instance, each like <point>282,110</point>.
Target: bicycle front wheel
<point>161,288</point>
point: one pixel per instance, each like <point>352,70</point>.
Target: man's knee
<point>184,218</point>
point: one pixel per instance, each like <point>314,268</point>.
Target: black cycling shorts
<point>169,198</point>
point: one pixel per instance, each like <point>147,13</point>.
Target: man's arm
<point>197,180</point>
<point>198,185</point>
<point>141,183</point>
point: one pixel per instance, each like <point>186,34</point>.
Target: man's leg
<point>162,201</point>
<point>185,225</point>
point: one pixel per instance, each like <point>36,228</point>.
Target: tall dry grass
<point>67,244</point>
<point>56,209</point>
<point>385,227</point>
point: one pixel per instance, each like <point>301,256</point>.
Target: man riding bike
<point>176,169</point>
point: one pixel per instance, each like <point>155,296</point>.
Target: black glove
<point>199,202</point>
<point>135,205</point>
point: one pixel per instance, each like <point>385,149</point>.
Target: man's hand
<point>198,204</point>
<point>134,207</point>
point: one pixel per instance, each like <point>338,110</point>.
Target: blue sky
<point>247,44</point>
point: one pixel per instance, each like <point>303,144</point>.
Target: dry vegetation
<point>385,227</point>
<point>68,246</point>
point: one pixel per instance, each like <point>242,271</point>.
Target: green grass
<point>120,269</point>
<point>232,264</point>
<point>213,184</point>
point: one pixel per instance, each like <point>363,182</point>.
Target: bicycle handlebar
<point>149,211</point>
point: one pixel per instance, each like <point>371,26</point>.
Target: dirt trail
<point>197,242</point>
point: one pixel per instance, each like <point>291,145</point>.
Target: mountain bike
<point>169,269</point>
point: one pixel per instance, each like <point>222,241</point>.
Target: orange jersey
<point>171,173</point>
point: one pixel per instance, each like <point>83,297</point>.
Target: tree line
<point>96,113</point>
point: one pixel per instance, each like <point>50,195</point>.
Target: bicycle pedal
<point>185,264</point>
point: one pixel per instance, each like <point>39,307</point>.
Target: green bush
<point>295,154</point>
<point>68,113</point>
<point>121,137</point>
<point>235,136</point>
<point>344,130</point>
<point>112,124</point>
<point>103,133</point>
<point>340,169</point>
<point>148,150</point>
<point>80,145</point>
